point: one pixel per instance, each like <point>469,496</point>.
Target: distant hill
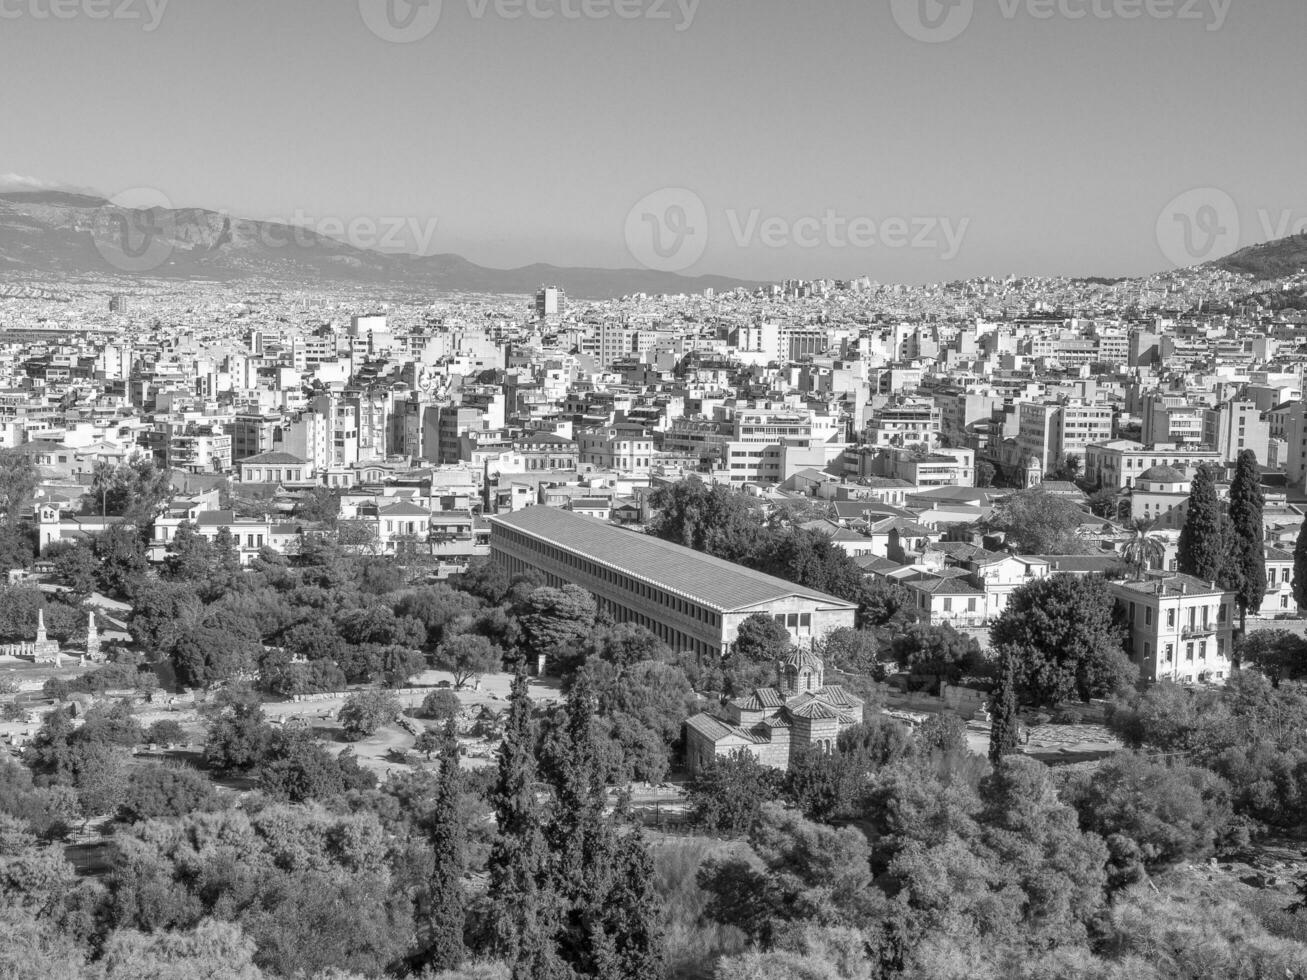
<point>59,234</point>
<point>1270,260</point>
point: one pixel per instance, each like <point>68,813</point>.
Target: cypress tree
<point>1245,569</point>
<point>523,906</point>
<point>1201,548</point>
<point>1300,567</point>
<point>1004,725</point>
<point>580,838</point>
<point>445,949</point>
<point>634,950</point>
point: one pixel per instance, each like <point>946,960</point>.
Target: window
<point>1148,649</point>
<point>1170,618</point>
<point>948,604</point>
<point>1189,651</point>
<point>1168,652</point>
<point>792,621</point>
<point>1148,615</point>
<point>805,621</point>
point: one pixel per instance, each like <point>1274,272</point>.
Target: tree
<point>1143,549</point>
<point>18,481</point>
<point>810,559</point>
<point>1300,567</point>
<point>364,712</point>
<point>1168,812</point>
<point>165,732</point>
<point>761,639</point>
<point>75,566</point>
<point>122,563</point>
<point>640,710</point>
<point>727,795</point>
<point>715,520</point>
<point>938,650</point>
<point>428,741</point>
<point>239,738</point>
<point>164,791</point>
<point>1004,725</point>
<point>851,650</point>
<point>886,604</point>
<point>446,917</point>
<point>1278,654</point>
<point>190,555</point>
<point>1103,503</point>
<point>468,656</point>
<point>1244,570</point>
<point>135,490</point>
<point>821,785</point>
<point>441,704</point>
<point>1201,548</point>
<point>985,473</point>
<point>625,644</point>
<point>296,768</point>
<point>557,620</point>
<point>1037,522</point>
<point>581,841</point>
<point>1065,637</point>
<point>523,907</point>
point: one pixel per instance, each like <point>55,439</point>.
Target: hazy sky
<point>1028,144</point>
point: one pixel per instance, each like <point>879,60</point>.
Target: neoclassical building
<point>774,724</point>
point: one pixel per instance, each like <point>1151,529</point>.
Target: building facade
<point>691,601</point>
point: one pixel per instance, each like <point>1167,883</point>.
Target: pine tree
<point>1245,553</point>
<point>1201,546</point>
<point>523,906</point>
<point>1004,726</point>
<point>1300,567</point>
<point>445,949</point>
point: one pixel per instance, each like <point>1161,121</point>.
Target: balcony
<point>1203,630</point>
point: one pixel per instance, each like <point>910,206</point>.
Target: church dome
<point>1163,474</point>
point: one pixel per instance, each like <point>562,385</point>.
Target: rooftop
<point>718,584</point>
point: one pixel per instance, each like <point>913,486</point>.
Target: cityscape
<point>570,530</point>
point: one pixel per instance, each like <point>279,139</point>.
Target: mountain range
<point>58,233</point>
<point>66,234</point>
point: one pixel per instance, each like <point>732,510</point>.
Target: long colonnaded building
<point>693,602</point>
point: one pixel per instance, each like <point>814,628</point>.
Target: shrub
<point>166,732</point>
<point>441,705</point>
<point>1069,716</point>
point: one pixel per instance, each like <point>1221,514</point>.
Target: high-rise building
<point>550,301</point>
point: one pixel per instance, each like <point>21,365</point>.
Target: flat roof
<point>714,582</point>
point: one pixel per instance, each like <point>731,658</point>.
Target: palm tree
<point>1143,548</point>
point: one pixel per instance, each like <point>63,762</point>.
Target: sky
<point>905,140</point>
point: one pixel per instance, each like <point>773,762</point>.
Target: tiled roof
<point>815,710</point>
<point>1174,585</point>
<point>272,459</point>
<point>719,584</point>
<point>403,509</point>
<point>945,586</point>
<point>715,729</point>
